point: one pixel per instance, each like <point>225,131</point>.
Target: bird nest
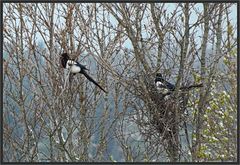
<point>159,117</point>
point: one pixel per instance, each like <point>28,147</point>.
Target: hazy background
<point>47,119</point>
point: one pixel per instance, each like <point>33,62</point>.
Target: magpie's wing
<point>91,79</point>
<point>81,66</point>
<point>169,85</point>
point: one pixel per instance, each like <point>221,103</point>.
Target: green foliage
<point>219,129</point>
<point>197,77</point>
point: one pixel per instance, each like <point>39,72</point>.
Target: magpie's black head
<point>158,77</point>
<point>63,59</point>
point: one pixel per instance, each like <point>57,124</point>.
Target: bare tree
<point>49,118</point>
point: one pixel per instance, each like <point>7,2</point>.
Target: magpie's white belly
<point>159,84</point>
<point>75,69</point>
<point>161,88</point>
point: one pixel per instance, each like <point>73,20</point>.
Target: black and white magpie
<point>166,87</point>
<point>162,85</point>
<point>76,67</point>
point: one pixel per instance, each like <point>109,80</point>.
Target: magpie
<point>76,67</point>
<point>165,86</point>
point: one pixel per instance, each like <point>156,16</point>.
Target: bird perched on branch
<point>166,87</point>
<point>76,67</point>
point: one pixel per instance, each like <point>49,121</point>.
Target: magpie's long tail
<point>91,79</point>
<point>191,86</point>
